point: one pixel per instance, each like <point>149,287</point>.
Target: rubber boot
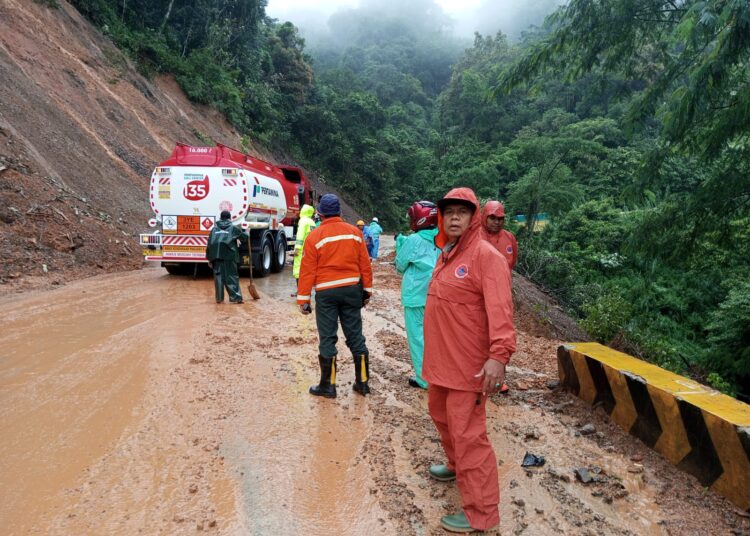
<point>327,385</point>
<point>456,523</point>
<point>362,374</point>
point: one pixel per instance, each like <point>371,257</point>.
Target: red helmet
<point>422,215</point>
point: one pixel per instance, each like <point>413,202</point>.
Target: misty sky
<point>485,16</point>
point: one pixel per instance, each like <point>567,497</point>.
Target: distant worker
<point>335,264</point>
<point>415,260</point>
<point>493,231</point>
<point>375,230</point>
<point>304,226</point>
<point>469,338</point>
<point>223,256</point>
<point>368,237</point>
<point>493,225</point>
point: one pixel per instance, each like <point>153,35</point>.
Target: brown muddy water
<point>85,381</point>
<point>133,404</point>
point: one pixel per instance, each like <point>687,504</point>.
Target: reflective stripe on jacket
<point>469,311</point>
<point>334,255</point>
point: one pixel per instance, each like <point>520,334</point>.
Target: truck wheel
<point>184,268</point>
<point>279,257</point>
<point>263,262</point>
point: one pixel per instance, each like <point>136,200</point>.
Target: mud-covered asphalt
<point>133,404</point>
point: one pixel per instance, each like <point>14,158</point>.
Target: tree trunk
<point>166,16</point>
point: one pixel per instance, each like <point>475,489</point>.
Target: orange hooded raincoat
<point>504,241</point>
<point>468,320</point>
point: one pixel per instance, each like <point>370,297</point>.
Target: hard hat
<point>375,219</point>
<point>360,222</point>
<point>422,215</point>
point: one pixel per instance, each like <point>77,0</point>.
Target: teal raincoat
<point>415,259</point>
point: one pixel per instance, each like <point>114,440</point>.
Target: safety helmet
<point>360,222</point>
<point>422,215</point>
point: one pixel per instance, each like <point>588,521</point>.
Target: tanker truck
<point>189,190</point>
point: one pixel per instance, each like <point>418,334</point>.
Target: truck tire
<point>279,254</point>
<point>183,268</point>
<point>263,260</point>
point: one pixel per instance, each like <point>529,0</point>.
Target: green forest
<point>626,122</point>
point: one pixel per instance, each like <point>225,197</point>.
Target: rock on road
<point>133,404</point>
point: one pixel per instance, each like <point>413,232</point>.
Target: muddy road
<point>133,404</point>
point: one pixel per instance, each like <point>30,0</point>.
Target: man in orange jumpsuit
<point>493,231</point>
<point>336,265</point>
<point>469,338</point>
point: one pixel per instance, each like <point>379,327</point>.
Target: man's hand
<point>305,309</point>
<point>365,297</point>
<point>494,376</point>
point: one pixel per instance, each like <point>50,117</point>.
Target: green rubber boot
<point>442,473</point>
<point>456,523</point>
<point>362,374</point>
<point>327,385</point>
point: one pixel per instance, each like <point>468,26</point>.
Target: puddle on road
<point>296,458</point>
<point>74,363</point>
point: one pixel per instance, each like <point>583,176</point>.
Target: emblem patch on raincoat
<point>462,271</point>
<point>509,249</point>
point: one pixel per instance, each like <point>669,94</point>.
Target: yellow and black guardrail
<point>698,429</point>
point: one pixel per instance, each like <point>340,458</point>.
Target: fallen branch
<point>61,214</point>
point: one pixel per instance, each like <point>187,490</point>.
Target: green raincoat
<point>416,259</point>
<point>224,255</point>
<point>305,225</point>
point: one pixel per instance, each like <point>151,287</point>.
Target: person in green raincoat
<point>415,260</point>
<point>222,252</point>
<point>375,231</point>
<point>304,226</point>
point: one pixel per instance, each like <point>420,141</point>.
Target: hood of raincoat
<point>492,208</point>
<point>307,211</point>
<point>466,196</point>
<point>224,224</point>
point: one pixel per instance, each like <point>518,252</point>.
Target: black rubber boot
<point>327,385</point>
<point>362,374</point>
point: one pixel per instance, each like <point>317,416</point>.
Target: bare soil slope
<point>80,131</point>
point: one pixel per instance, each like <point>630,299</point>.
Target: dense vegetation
<point>626,121</point>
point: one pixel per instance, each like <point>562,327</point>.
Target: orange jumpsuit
<point>504,241</point>
<point>468,319</point>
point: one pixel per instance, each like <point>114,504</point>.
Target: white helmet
<point>374,218</point>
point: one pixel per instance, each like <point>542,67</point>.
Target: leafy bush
<point>606,317</point>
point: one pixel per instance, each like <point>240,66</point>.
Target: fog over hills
<point>461,18</point>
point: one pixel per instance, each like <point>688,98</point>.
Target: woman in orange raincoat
<point>469,338</point>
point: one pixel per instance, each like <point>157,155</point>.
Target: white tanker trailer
<point>190,189</point>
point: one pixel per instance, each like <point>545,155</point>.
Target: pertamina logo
<point>196,190</point>
<point>258,189</point>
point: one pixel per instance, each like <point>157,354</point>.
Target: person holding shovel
<point>222,252</point>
